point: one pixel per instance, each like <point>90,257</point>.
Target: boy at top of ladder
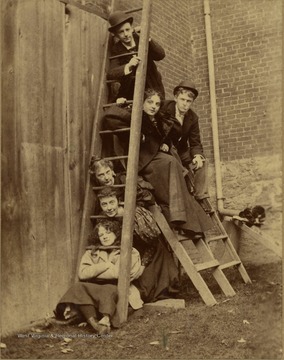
<point>123,68</point>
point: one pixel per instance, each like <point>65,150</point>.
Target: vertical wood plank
<point>58,236</point>
<point>44,152</point>
<point>85,39</point>
<point>73,115</point>
<point>35,226</point>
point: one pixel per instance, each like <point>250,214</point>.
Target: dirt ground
<point>246,326</point>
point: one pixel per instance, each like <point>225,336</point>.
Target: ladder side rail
<point>182,255</point>
<point>89,198</point>
<point>218,274</point>
<point>231,250</point>
<point>132,166</point>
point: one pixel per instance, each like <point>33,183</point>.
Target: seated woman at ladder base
<point>95,296</point>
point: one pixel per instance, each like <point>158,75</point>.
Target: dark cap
<point>118,18</point>
<point>186,84</point>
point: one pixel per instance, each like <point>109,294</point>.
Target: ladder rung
<point>128,102</point>
<point>104,217</point>
<point>229,264</point>
<point>116,157</point>
<point>124,54</point>
<point>186,238</point>
<point>215,238</point>
<point>113,186</point>
<point>133,10</point>
<point>207,265</point>
<point>102,132</point>
<point>183,238</point>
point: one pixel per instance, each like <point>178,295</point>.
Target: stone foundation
<point>250,182</point>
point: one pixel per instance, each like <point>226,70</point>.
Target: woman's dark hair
<point>151,92</point>
<point>110,225</point>
<point>107,191</point>
<point>96,162</point>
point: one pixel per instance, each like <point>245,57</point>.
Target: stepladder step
<point>216,238</point>
<point>230,264</point>
<point>207,265</point>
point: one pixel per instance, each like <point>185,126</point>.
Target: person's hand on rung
<point>134,62</point>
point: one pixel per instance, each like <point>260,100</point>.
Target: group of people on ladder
<point>170,152</point>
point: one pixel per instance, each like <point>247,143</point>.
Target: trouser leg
<point>201,182</point>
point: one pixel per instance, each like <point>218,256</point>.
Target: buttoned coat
<point>153,76</point>
<point>189,143</point>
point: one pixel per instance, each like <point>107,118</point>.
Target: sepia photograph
<point>141,179</point>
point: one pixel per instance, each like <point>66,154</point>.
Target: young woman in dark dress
<point>160,165</point>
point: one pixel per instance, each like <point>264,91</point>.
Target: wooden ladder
<point>132,161</point>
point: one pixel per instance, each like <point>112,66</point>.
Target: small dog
<point>255,215</point>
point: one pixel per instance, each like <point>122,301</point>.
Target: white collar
<point>133,44</point>
<point>178,115</point>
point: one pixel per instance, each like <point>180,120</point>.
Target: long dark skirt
<point>160,278</point>
<point>180,208</point>
<point>103,297</point>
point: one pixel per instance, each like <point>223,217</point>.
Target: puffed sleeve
<point>136,267</point>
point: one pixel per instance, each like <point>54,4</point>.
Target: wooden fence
<point>51,65</point>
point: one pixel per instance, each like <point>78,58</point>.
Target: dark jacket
<point>153,77</point>
<point>189,143</point>
<point>152,136</point>
<point>153,139</point>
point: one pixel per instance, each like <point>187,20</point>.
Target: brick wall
<point>247,45</point>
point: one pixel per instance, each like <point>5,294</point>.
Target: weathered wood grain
<point>51,70</point>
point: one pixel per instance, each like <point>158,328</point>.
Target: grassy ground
<point>247,326</point>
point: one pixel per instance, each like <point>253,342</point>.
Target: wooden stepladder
<point>230,257</point>
<point>208,260</point>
